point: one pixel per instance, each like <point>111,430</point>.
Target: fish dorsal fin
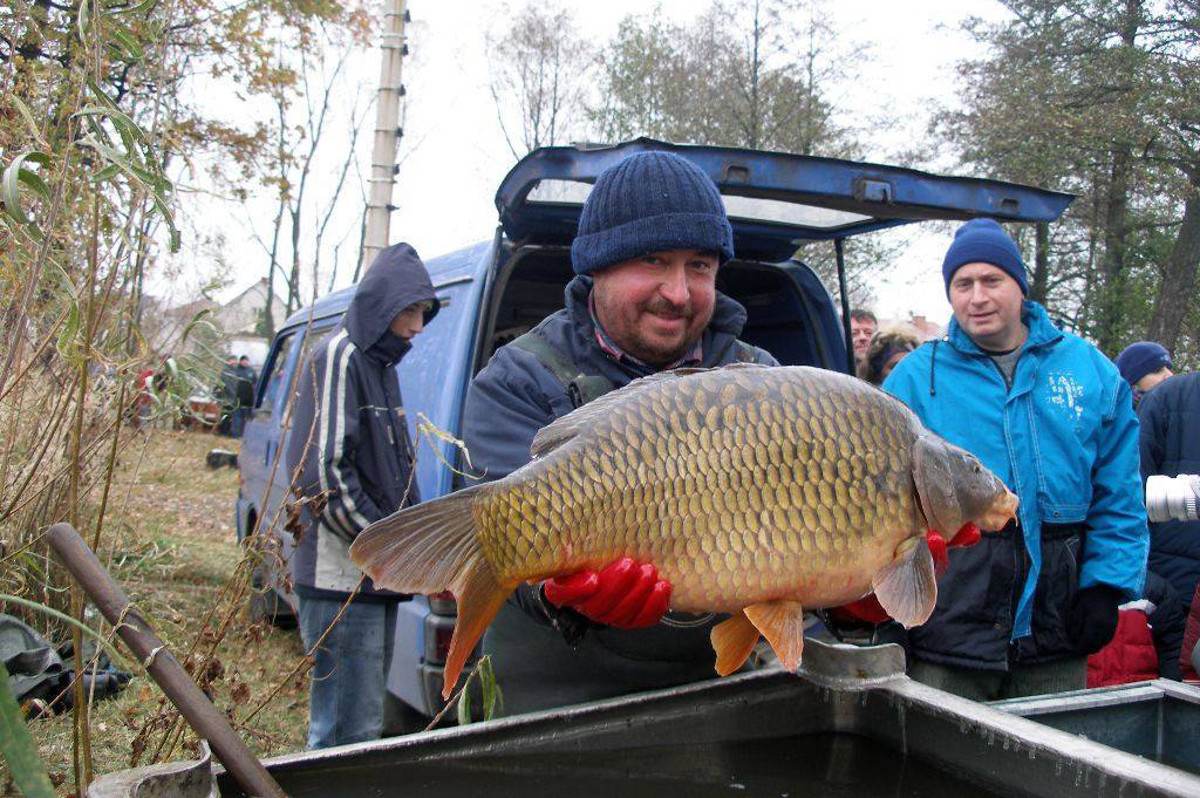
<point>563,429</point>
<point>906,587</point>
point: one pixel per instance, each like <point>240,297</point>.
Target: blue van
<point>498,289</point>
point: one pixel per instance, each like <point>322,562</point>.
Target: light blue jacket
<point>1064,439</point>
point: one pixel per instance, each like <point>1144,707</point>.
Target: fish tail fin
<point>733,639</point>
<point>480,596</point>
<point>429,548</point>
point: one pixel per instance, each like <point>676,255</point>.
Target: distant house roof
<point>242,313</point>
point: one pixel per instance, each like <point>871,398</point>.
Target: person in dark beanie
<point>351,462</point>
<point>1144,365</point>
<point>1018,613</point>
<point>652,236</point>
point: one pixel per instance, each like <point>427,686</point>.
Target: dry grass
<point>171,544</point>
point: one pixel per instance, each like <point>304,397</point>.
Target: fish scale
<point>755,491</point>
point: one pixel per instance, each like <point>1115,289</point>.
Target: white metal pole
<point>387,133</point>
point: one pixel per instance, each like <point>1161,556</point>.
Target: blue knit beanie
<point>984,241</point>
<point>1144,357</point>
<point>650,202</point>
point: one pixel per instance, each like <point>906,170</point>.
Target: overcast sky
<point>454,154</point>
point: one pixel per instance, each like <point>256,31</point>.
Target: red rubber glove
<point>625,594</point>
<point>967,536</point>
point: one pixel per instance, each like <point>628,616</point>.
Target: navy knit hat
<point>1144,357</point>
<point>984,241</point>
<point>650,202</point>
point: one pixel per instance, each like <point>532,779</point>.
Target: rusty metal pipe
<point>161,664</point>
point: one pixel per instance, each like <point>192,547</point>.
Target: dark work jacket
<point>349,441</point>
<point>508,402</point>
<point>1170,445</point>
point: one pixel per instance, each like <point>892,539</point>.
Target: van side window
<point>312,337</point>
<point>279,359</point>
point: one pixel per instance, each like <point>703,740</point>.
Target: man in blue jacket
<point>351,462</point>
<point>651,238</point>
<point>1018,613</point>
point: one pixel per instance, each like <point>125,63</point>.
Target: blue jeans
<point>349,677</point>
<point>237,421</point>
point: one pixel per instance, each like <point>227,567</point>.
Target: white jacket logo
<point>1066,394</point>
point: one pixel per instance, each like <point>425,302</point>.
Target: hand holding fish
<point>624,594</point>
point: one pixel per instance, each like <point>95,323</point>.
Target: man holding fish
<point>651,239</point>
<point>659,481</point>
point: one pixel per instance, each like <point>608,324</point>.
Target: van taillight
<point>441,642</point>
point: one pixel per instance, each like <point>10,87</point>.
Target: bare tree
<point>307,114</point>
<point>537,67</point>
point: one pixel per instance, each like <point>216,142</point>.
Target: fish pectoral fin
<point>733,640</point>
<point>906,587</point>
<point>480,596</point>
<point>782,623</point>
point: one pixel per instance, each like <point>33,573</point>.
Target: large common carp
<point>755,491</point>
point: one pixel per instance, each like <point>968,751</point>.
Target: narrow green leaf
<point>119,118</point>
<point>27,115</point>
<point>101,95</point>
<point>174,239</point>
<point>106,173</point>
<point>127,41</point>
<point>464,704</point>
<point>67,334</point>
<point>16,743</point>
<point>145,5</point>
<point>35,183</point>
<point>14,176</point>
<point>82,19</point>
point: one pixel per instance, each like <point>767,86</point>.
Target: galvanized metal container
<point>850,724</point>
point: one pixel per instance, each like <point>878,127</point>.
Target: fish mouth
<point>1002,510</point>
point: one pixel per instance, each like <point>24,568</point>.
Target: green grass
<point>171,544</point>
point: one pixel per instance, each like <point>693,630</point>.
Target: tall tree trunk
<point>1116,212</point>
<point>1177,291</point>
<point>1041,263</point>
<point>1116,223</point>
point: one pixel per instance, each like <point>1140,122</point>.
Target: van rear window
<point>754,209</point>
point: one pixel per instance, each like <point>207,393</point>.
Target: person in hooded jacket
<point>351,461</point>
<point>1018,613</point>
<point>652,235</point>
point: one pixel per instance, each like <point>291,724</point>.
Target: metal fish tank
<point>850,723</point>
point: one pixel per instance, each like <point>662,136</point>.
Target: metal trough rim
<point>1099,760</point>
<point>840,674</point>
